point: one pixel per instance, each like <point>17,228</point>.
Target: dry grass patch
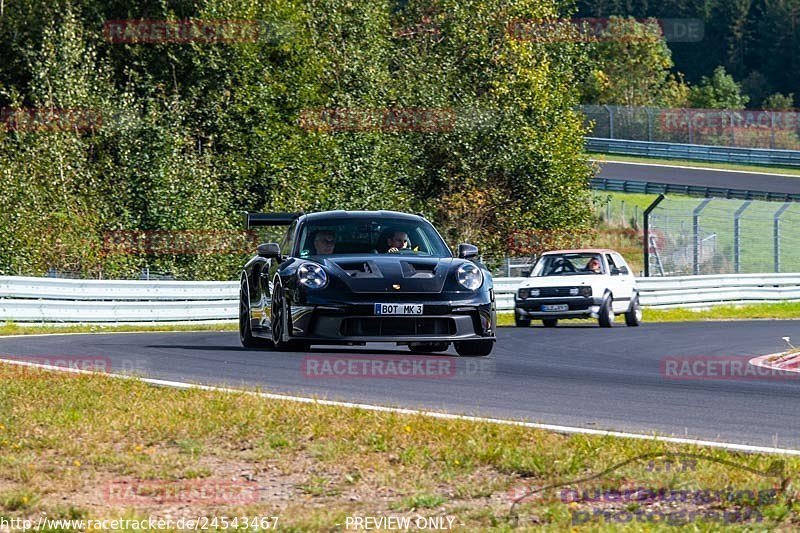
<point>79,446</point>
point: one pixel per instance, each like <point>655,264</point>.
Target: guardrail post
<point>646,232</point>
<point>696,234</point>
<point>737,261</point>
<point>776,234</point>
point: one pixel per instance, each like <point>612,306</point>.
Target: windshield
<point>568,264</point>
<point>356,236</point>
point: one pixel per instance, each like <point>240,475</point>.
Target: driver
<point>324,242</point>
<point>396,241</point>
<point>593,266</point>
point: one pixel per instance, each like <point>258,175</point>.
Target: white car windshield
<point>568,265</point>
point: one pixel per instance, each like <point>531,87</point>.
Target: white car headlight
<point>312,276</point>
<point>469,276</point>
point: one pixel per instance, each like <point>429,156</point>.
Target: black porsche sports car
<point>352,277</point>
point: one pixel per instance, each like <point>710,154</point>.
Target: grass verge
<point>99,448</point>
<point>15,328</point>
<point>790,171</point>
<point>776,311</point>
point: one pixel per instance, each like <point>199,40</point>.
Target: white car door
<point>620,284</point>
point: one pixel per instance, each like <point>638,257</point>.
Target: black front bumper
<point>357,322</point>
<point>577,307</point>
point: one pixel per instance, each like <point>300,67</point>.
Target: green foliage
<point>779,102</point>
<point>630,65</point>
<point>193,134</point>
<point>720,91</point>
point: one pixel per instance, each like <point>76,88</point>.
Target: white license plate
<point>398,309</point>
<point>557,307</point>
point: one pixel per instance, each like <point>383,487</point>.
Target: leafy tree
<point>779,102</point>
<point>630,65</point>
<point>720,91</point>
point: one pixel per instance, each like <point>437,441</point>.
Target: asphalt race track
<point>576,375</point>
<point>704,177</point>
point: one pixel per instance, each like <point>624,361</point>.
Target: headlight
<point>312,276</point>
<point>469,276</point>
<point>585,291</point>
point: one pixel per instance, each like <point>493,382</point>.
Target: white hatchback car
<point>594,283</point>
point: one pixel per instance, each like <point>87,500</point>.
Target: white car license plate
<point>398,309</point>
<point>557,307</point>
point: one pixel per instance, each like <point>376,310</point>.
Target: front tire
<point>633,316</point>
<point>278,321</point>
<point>246,336</point>
<point>550,322</point>
<point>521,322</point>
<point>606,315</point>
<point>479,348</point>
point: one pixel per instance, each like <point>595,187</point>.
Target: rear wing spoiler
<point>252,220</point>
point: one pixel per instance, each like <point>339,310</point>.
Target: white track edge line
<point>601,161</point>
<point>432,414</point>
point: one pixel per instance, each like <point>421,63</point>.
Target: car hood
<point>565,281</point>
<point>383,273</point>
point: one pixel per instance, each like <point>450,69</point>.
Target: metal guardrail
<point>27,299</point>
<point>650,187</point>
<point>696,152</point>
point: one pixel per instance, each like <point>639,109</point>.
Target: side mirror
<point>269,250</point>
<point>624,270</point>
<point>467,251</point>
<point>526,273</point>
<point>615,271</point>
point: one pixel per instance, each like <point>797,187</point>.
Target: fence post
<point>646,233</point>
<point>649,124</point>
<point>776,234</point>
<point>772,129</point>
<point>689,124</point>
<point>696,234</point>
<point>733,131</point>
<point>610,120</point>
<point>737,260</point>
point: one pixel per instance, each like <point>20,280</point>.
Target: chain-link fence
<point>716,236</point>
<point>745,128</point>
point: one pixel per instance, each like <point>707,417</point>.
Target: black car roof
<point>329,215</point>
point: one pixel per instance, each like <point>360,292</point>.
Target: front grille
<point>397,326</point>
<point>552,292</point>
